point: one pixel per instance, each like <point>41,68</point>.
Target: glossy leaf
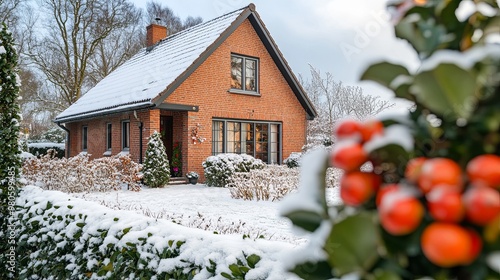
<point>447,90</point>
<point>307,220</point>
<point>384,73</point>
<point>353,243</point>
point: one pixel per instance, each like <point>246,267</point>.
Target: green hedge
<point>40,149</point>
<point>62,237</point>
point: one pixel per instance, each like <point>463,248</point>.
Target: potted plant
<point>192,177</point>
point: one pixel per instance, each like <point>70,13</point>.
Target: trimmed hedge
<point>218,169</point>
<point>62,237</point>
<point>41,149</point>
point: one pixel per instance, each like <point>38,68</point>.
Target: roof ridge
<point>251,6</point>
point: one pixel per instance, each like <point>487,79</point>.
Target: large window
<point>109,134</point>
<point>125,135</point>
<point>244,73</point>
<point>85,137</point>
<point>261,140</point>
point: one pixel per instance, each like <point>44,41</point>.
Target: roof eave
<point>101,113</point>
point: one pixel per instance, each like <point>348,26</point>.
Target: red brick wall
<point>208,87</point>
<point>97,133</point>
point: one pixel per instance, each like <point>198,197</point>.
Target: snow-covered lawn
<point>211,209</point>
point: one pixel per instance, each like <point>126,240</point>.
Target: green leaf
<point>386,275</point>
<point>447,90</point>
<point>252,260</point>
<point>126,230</point>
<point>384,73</point>
<point>235,270</point>
<point>313,271</point>
<point>307,220</point>
<point>353,243</point>
<point>226,275</point>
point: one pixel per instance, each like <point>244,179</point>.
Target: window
<point>109,134</point>
<point>244,73</point>
<point>85,131</point>
<point>125,135</point>
<point>258,139</point>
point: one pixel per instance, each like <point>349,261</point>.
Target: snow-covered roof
<point>146,79</point>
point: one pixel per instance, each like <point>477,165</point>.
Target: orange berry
<point>348,157</point>
<point>446,244</point>
<point>477,246</point>
<point>484,170</point>
<point>413,169</point>
<point>348,129</point>
<point>370,129</point>
<point>445,204</point>
<point>357,187</point>
<point>385,190</point>
<point>440,171</point>
<point>400,212</point>
<point>482,205</point>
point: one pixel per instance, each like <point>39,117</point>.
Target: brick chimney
<point>154,33</point>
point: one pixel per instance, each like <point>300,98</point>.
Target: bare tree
<point>334,101</point>
<point>173,23</point>
<point>73,31</point>
<point>121,44</point>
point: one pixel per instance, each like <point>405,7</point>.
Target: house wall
<point>97,133</point>
<point>208,88</point>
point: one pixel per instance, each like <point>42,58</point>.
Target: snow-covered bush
<point>219,168</point>
<point>156,167</point>
<point>80,174</point>
<point>293,160</point>
<point>63,237</point>
<point>271,183</point>
<point>41,148</point>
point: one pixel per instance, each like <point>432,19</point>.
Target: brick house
<point>223,80</point>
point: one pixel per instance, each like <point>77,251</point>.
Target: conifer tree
<point>156,166</point>
<point>10,161</point>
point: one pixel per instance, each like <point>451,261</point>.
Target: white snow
<point>2,50</point>
<point>465,60</point>
<point>466,9</point>
<point>47,145</point>
<point>26,155</point>
<point>150,72</point>
<point>212,209</point>
<point>394,134</point>
<point>493,261</point>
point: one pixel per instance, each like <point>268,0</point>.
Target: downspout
<point>67,139</point>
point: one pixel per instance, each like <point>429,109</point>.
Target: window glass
<point>217,137</point>
<point>84,138</point>
<point>236,72</point>
<point>126,135</point>
<point>250,74</point>
<point>108,136</point>
<point>260,140</point>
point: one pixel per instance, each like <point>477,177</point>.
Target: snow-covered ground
<point>211,209</point>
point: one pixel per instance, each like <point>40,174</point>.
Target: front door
<point>167,134</point>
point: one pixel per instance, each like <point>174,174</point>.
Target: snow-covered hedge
<point>271,183</point>
<point>40,149</point>
<point>218,169</point>
<point>80,174</point>
<point>63,237</point>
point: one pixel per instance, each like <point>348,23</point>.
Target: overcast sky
<point>337,36</point>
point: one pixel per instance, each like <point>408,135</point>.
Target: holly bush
<point>430,207</point>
